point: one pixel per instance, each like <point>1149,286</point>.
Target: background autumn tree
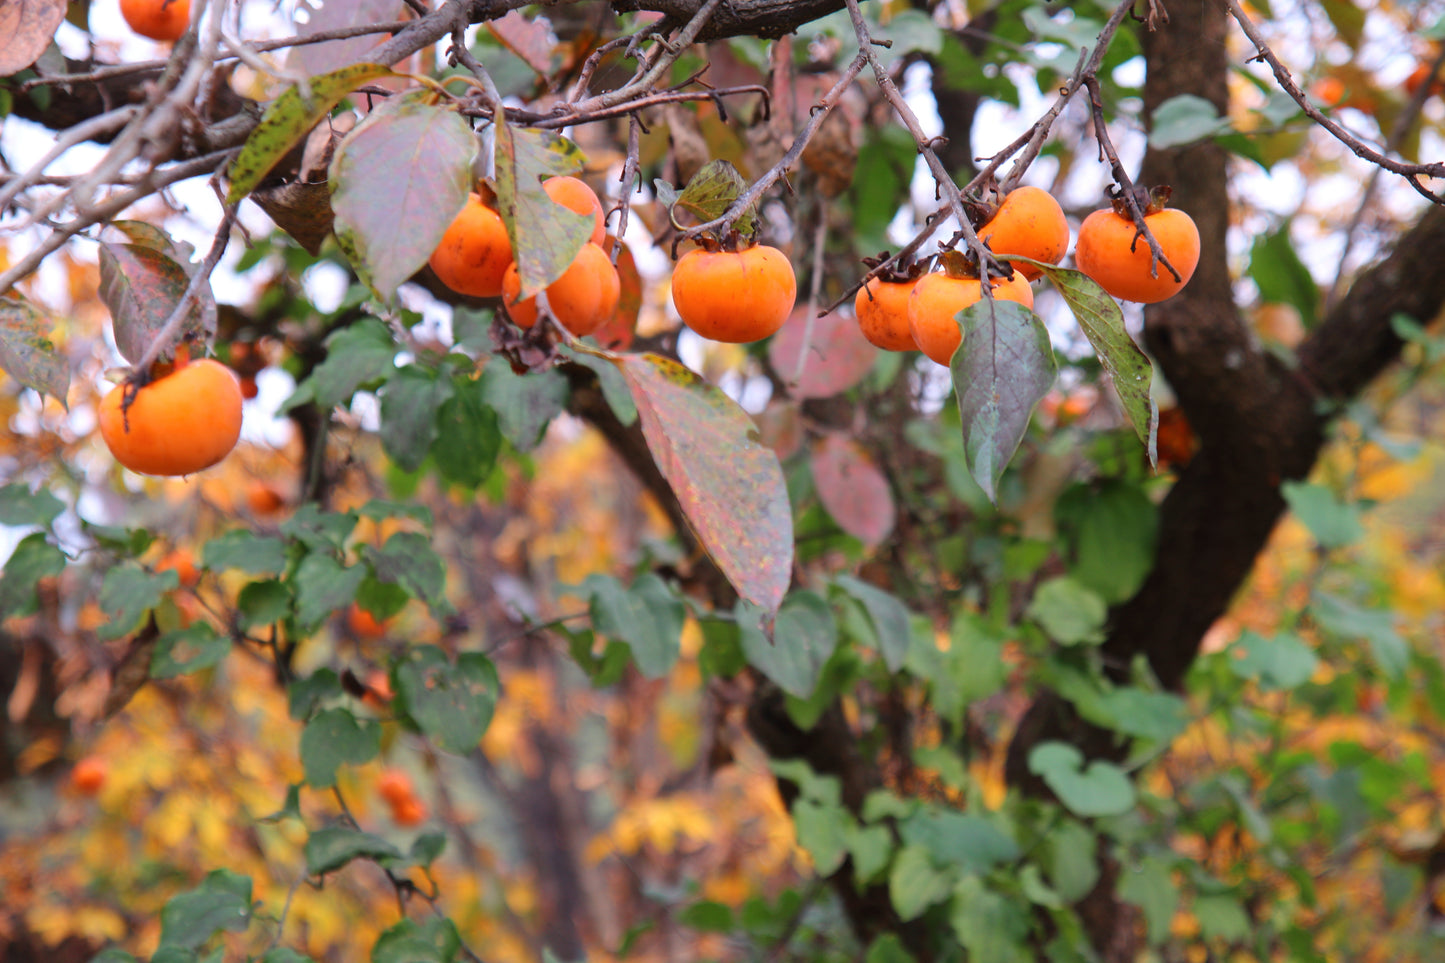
<point>496,644</point>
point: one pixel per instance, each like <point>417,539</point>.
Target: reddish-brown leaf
<point>530,38</point>
<point>141,287</point>
<point>320,58</point>
<point>26,351</point>
<point>730,487</point>
<point>837,355</point>
<point>26,27</point>
<point>853,489</point>
<point>616,334</point>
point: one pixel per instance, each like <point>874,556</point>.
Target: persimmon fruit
<point>583,299</point>
<point>163,20</point>
<point>183,563</point>
<point>574,194</point>
<point>395,787</point>
<point>409,812</point>
<point>89,775</point>
<point>363,623</point>
<point>1422,75</point>
<point>1031,223</point>
<point>264,499</point>
<point>734,296</point>
<point>474,251</point>
<point>178,424</point>
<point>937,298</point>
<point>882,310</point>
<point>1109,252</point>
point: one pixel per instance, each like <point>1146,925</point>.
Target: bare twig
<point>820,238</point>
<point>1126,185</point>
<point>1410,172</point>
<point>202,275</point>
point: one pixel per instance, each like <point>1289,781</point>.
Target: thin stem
<point>1410,172</point>
<point>178,316</point>
<point>820,238</point>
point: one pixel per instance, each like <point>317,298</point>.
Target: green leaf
<point>306,694</point>
<point>284,954</point>
<point>1184,119</point>
<point>1280,274</point>
<point>21,507</point>
<point>1348,20</point>
<point>993,929</point>
<point>826,790</point>
<point>27,353</point>
<point>730,486</point>
<point>707,916</point>
<point>263,603</point>
<point>1149,884</point>
<point>324,586</point>
<point>468,438</point>
<point>1348,621</point>
<point>525,404</point>
<point>245,552</point>
<point>1002,368</point>
<point>804,636</point>
<point>822,831</point>
<point>427,847</point>
<point>648,617</point>
<point>288,119</point>
<point>914,884</point>
<point>452,704</point>
<point>1281,662</point>
<point>128,593</point>
<point>432,941</point>
<point>331,848</point>
<point>871,847</point>
<point>1222,917</point>
<point>1156,716</point>
<point>221,902</point>
<point>1333,523</point>
<point>888,948</point>
<point>34,558</point>
<point>1070,859</point>
<point>711,192</point>
<point>1102,321</point>
<point>545,235</point>
<point>141,287</point>
<point>1101,789</point>
<point>1112,528</point>
<point>1068,612</point>
<point>971,843</point>
<point>406,155</point>
<point>359,354</point>
<point>196,647</point>
<point>318,530</point>
<point>615,389</point>
<point>409,407</point>
<point>888,615</point>
<point>410,560</point>
<point>122,541</point>
<point>334,738</point>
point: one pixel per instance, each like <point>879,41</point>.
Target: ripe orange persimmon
<point>882,310</point>
<point>363,623</point>
<point>574,194</point>
<point>178,424</point>
<point>162,20</point>
<point>409,812</point>
<point>734,296</point>
<point>395,787</point>
<point>1108,253</point>
<point>1418,78</point>
<point>474,252</point>
<point>1028,222</point>
<point>88,776</point>
<point>936,300</point>
<point>583,299</point>
<point>183,563</point>
<point>264,499</point>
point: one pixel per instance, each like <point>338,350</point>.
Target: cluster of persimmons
<point>910,312</point>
